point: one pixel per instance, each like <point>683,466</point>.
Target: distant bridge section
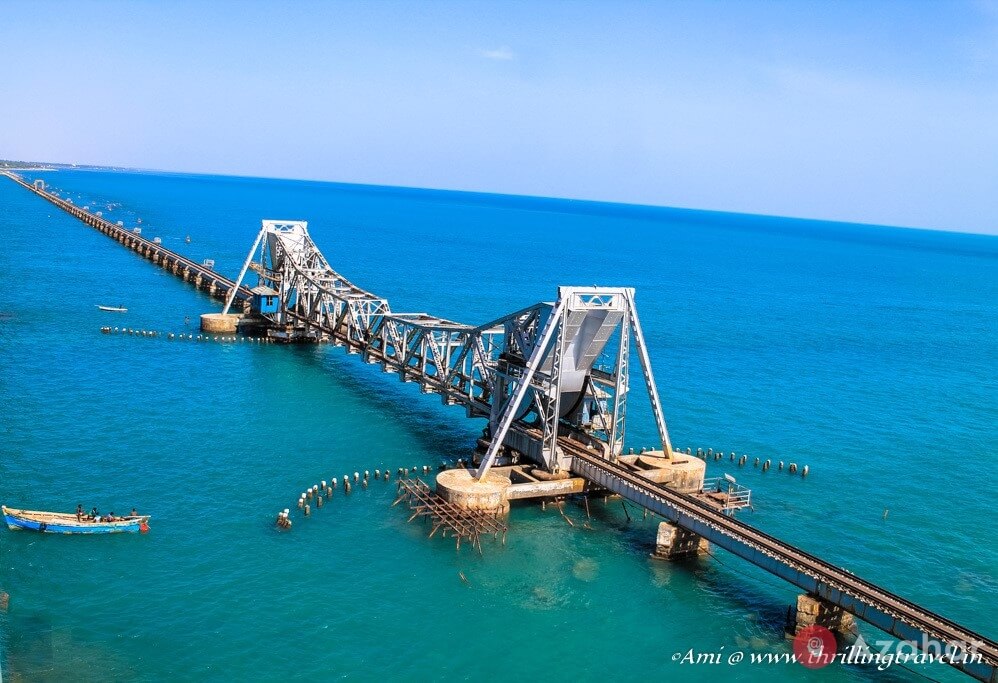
<point>202,276</point>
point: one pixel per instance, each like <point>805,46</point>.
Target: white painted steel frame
<point>511,370</point>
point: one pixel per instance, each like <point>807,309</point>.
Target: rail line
<point>885,610</point>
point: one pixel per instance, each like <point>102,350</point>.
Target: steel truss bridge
<point>553,380</point>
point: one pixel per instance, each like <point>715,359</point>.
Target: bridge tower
<point>551,390</point>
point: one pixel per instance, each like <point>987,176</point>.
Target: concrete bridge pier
<point>674,542</point>
<point>811,610</point>
<point>216,323</point>
<point>488,494</point>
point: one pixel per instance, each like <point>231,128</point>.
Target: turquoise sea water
<point>867,353</point>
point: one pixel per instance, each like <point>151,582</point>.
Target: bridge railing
<point>736,496</point>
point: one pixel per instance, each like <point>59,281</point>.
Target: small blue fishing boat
<point>61,523</point>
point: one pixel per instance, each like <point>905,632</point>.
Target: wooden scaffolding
<point>446,517</point>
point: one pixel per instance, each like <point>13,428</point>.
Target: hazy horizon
<point>872,113</point>
<point>59,165</point>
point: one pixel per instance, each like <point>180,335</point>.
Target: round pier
<point>462,489</point>
<point>682,472</point>
<point>687,473</point>
<point>216,323</point>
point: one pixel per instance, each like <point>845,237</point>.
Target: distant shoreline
<point>5,165</point>
<point>27,168</point>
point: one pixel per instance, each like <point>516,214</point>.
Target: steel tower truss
<point>541,375</point>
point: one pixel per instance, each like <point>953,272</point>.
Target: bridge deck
<point>881,608</point>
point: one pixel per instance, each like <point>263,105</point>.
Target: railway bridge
<point>201,275</point>
<point>552,380</point>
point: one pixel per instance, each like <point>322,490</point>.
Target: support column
<point>811,610</point>
<point>675,542</point>
<point>461,488</point>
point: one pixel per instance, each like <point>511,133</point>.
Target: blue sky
<point>878,112</point>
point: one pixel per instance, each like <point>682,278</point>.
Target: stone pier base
<point>460,487</point>
<point>674,542</point>
<point>811,610</point>
<point>216,323</point>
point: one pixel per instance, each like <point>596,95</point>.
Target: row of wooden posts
<point>711,454</point>
<point>318,494</point>
<point>181,336</point>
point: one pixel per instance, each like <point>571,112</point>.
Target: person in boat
<point>134,513</point>
<point>110,517</point>
<point>94,515</point>
<point>79,512</point>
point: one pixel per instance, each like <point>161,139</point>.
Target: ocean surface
<point>869,354</point>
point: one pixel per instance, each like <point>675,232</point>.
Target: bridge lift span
<point>541,375</point>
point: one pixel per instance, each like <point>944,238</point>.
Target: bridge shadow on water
<point>440,429</point>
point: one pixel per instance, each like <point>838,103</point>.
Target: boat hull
<point>65,524</point>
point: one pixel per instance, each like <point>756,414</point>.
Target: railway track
<point>892,613</point>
